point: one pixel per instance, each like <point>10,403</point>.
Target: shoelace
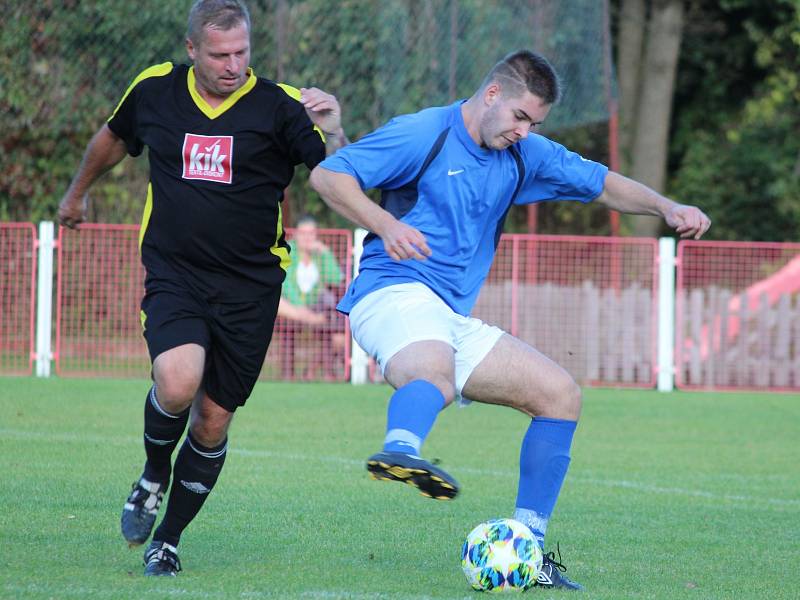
<point>551,558</point>
<point>141,496</point>
<point>165,555</point>
<point>138,493</point>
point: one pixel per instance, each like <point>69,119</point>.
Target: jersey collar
<point>460,129</point>
<point>205,107</point>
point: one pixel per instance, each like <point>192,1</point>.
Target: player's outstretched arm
<point>103,152</point>
<point>342,193</point>
<point>629,196</point>
<point>324,111</point>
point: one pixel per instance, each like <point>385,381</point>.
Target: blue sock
<point>543,463</point>
<point>413,409</point>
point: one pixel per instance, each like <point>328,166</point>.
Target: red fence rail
<point>589,303</point>
<point>738,316</point>
<point>99,287</point>
<point>18,243</point>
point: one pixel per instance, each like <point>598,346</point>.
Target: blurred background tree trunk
<point>630,41</point>
<point>649,45</point>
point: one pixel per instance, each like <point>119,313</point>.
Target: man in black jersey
<point>222,146</point>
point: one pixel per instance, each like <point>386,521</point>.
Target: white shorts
<point>389,319</point>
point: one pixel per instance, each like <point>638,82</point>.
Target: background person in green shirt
<point>308,301</point>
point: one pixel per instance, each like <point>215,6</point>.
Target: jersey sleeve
<point>123,121</point>
<point>302,141</point>
<point>387,158</point>
<point>554,173</point>
<point>123,124</point>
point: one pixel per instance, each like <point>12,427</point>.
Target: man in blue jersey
<point>448,176</point>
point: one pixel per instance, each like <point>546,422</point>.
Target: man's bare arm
<point>629,196</point>
<point>103,152</point>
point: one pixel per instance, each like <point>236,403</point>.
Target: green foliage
<point>737,147</point>
<point>734,151</point>
<point>744,182</point>
<point>64,65</point>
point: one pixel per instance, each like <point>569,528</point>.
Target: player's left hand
<point>72,210</point>
<point>322,108</point>
<point>688,221</point>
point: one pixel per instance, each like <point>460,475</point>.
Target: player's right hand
<point>688,221</point>
<point>402,242</point>
<point>72,211</point>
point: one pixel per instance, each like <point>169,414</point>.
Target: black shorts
<point>235,335</point>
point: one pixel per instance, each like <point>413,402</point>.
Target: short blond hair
<point>219,14</point>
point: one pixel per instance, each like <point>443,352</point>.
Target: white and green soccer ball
<point>501,555</point>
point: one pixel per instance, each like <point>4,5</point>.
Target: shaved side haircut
<point>525,70</point>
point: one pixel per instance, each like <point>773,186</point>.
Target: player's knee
<point>568,398</point>
<point>208,433</point>
<point>561,399</point>
<point>442,381</point>
<point>209,429</point>
<point>176,389</point>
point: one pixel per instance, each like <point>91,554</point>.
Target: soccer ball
<point>501,555</point>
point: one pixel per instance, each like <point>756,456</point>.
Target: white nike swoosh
<point>451,172</point>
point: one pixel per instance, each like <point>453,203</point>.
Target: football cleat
<point>551,574</point>
<point>431,481</point>
<point>141,508</point>
<point>161,560</point>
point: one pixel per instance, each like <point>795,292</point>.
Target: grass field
<point>668,496</point>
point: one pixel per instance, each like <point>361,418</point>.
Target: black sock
<point>196,472</point>
<point>162,431</point>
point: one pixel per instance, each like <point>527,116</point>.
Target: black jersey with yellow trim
<point>212,219</point>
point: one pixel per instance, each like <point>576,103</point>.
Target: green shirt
<point>305,282</point>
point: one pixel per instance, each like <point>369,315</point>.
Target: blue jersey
<point>434,177</point>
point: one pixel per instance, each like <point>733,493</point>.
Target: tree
<point>647,54</point>
<point>737,147</point>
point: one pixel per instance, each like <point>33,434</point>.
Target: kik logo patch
<point>208,157</point>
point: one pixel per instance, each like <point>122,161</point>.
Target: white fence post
<point>44,299</point>
<point>666,314</point>
<point>359,361</point>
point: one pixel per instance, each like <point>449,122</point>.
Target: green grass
<point>668,496</point>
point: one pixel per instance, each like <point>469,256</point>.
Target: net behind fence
<point>738,315</point>
<point>379,58</point>
<point>17,297</point>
